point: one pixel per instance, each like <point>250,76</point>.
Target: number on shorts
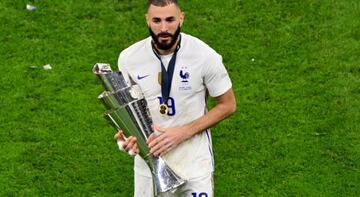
<point>202,194</point>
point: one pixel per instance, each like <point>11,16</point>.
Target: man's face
<point>164,25</point>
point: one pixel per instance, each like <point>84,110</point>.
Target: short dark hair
<point>162,3</point>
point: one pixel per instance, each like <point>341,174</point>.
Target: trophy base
<point>165,179</point>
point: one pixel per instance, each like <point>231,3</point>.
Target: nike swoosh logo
<point>141,77</point>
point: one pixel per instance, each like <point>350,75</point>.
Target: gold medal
<point>163,109</point>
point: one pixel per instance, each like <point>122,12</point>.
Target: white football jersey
<point>198,71</point>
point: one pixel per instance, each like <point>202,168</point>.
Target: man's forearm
<point>226,105</point>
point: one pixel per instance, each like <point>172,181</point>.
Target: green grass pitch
<point>295,67</point>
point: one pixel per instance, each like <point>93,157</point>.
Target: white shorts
<point>198,187</point>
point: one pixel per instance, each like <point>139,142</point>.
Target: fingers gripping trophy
<point>128,111</point>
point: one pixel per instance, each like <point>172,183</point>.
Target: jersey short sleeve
<point>216,78</point>
<point>122,63</point>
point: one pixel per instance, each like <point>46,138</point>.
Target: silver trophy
<point>128,111</point>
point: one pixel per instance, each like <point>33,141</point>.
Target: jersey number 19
<point>171,104</point>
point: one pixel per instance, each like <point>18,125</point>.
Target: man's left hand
<point>164,139</point>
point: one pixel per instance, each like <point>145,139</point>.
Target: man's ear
<point>182,18</point>
<point>147,20</point>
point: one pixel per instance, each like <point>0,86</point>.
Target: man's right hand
<point>128,145</point>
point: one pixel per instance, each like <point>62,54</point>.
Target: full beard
<point>164,45</point>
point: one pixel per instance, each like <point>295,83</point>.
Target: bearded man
<point>177,73</point>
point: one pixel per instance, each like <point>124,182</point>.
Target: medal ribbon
<point>166,75</point>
